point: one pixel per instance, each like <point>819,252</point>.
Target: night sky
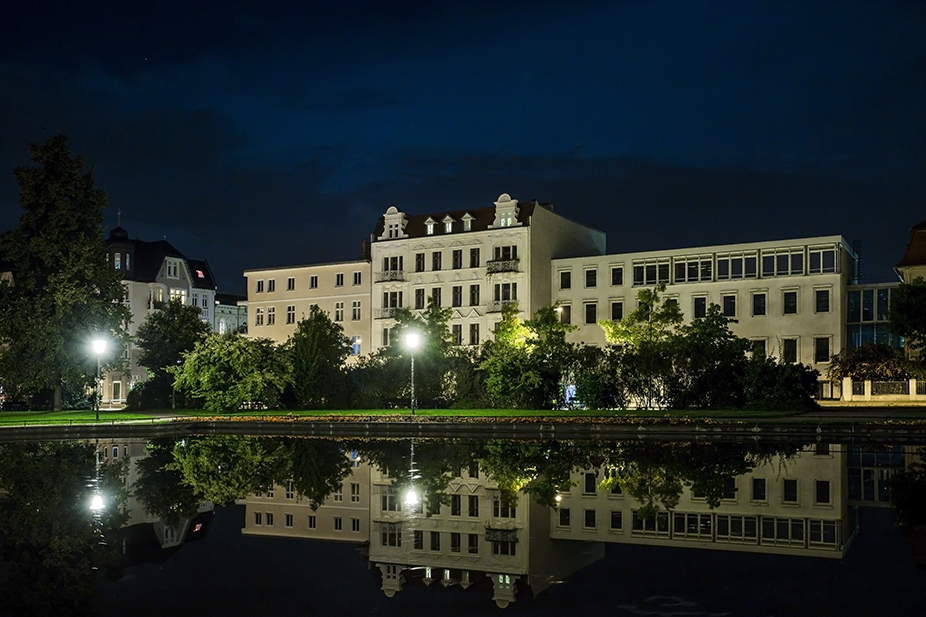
<point>258,135</point>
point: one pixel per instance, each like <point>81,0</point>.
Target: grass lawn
<point>18,418</point>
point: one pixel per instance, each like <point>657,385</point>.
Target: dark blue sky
<point>258,136</point>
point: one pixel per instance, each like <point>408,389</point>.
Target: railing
<point>921,387</point>
<point>858,388</point>
<point>384,313</point>
<point>501,265</point>
<point>389,275</point>
<point>890,387</point>
<point>498,305</point>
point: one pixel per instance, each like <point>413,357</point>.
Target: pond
<point>284,525</point>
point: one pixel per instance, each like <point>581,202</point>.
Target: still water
<point>293,525</point>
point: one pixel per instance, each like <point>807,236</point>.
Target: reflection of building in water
<point>795,506</point>
<point>871,469</point>
<point>146,537</point>
<point>344,516</point>
<point>477,540</point>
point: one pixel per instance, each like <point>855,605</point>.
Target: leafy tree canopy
<point>908,313</point>
<point>64,293</point>
<point>870,361</point>
<point>167,334</point>
<point>654,319</point>
<point>319,350</point>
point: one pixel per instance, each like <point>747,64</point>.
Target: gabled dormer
<point>468,221</point>
<point>429,226</point>
<point>506,212</point>
<point>394,222</point>
<point>448,222</point>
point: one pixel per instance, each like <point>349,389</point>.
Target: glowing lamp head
<point>99,346</point>
<point>96,504</point>
<point>412,340</point>
<point>411,498</point>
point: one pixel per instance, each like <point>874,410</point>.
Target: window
<point>473,471</point>
<point>339,311</point>
<point>338,495</point>
<point>354,492</point>
<point>259,287</point>
<point>693,269</point>
<point>504,548</point>
<point>339,279</point>
<point>783,262</point>
<point>500,509</point>
<point>736,266</point>
<point>782,530</point>
<point>355,310</point>
<point>591,483</point>
<point>591,313</point>
<point>506,291</point>
<point>418,540</point>
<point>758,489</point>
<point>117,260</point>
<point>271,316</point>
<point>692,526</point>
<point>313,522</point>
<point>456,505</point>
<point>258,317</point>
<point>822,260</point>
<point>457,259</point>
<point>271,285</point>
<point>506,253</point>
<point>655,526</point>
<point>473,544</point>
<point>313,282</point>
<point>565,313</point>
<point>564,517</point>
<point>268,516</point>
<point>456,542</point>
<point>823,532</point>
<point>357,278</point>
<point>617,520</point>
<point>651,272</point>
<point>758,304</point>
<point>291,314</point>
<point>789,490</point>
<point>700,307</point>
<point>355,525</point>
<point>734,528</point>
<point>617,276</point>
<point>391,535</point>
<point>419,262</point>
<point>473,506</point>
<point>789,350</point>
<point>565,279</point>
<point>388,499</point>
<point>457,331</point>
<point>457,295</point>
<point>474,295</point>
<point>258,518</point>
<point>436,260</point>
<point>473,334</point>
<point>435,296</point>
<point>435,540</point>
<point>822,492</point>
<point>789,302</point>
<point>288,520</point>
<point>419,299</point>
<point>821,349</point>
<point>290,284</point>
<point>173,270</point>
<point>728,305</point>
<point>591,278</point>
<point>473,258</point>
<point>355,344</point>
<point>617,310</point>
<point>590,522</point>
<point>822,300</point>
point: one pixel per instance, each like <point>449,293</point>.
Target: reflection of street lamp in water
<point>412,340</point>
<point>99,348</point>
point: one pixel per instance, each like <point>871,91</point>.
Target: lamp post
<point>412,340</point>
<point>99,348</point>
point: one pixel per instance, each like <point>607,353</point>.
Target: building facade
<point>153,273</point>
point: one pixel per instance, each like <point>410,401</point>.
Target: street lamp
<point>99,348</point>
<point>412,340</point>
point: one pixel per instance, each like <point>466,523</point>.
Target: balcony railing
<point>384,313</point>
<point>389,275</point>
<point>501,265</point>
<point>498,305</point>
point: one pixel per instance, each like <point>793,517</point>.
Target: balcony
<point>497,266</point>
<point>497,305</point>
<point>384,313</point>
<point>388,276</point>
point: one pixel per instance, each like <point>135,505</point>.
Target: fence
<point>885,391</point>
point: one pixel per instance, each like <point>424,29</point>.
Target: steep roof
<point>202,275</point>
<point>916,247</point>
<point>149,256</point>
<point>482,219</point>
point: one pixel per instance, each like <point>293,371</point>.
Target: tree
<point>63,292</point>
<point>319,349</point>
<point>164,337</point>
<point>907,316</point>
<point>780,386</point>
<point>645,334</point>
<point>227,370</point>
<point>161,487</point>
<point>869,362</point>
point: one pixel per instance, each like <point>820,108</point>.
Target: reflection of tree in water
<point>49,536</point>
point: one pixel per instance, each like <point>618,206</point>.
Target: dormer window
<point>467,222</point>
<point>448,224</point>
<point>430,228</point>
<point>506,211</point>
<point>173,269</point>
